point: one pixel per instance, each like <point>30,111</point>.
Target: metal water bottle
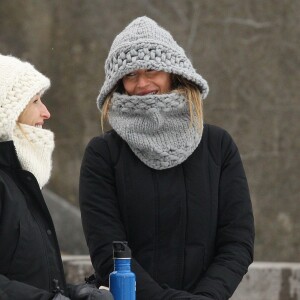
<point>122,281</point>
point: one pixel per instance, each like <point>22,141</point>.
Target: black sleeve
<point>102,222</point>
<point>11,289</point>
<point>235,231</point>
<point>17,290</point>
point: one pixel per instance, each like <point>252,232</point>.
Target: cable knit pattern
<point>156,127</point>
<point>143,44</point>
<point>19,82</point>
<point>34,147</point>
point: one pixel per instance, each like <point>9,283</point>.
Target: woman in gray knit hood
<point>161,179</point>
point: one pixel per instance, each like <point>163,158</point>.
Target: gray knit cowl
<point>156,127</point>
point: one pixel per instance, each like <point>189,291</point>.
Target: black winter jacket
<point>29,253</point>
<point>190,227</point>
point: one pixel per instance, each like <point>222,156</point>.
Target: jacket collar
<point>8,155</point>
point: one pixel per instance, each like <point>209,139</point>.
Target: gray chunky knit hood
<point>143,44</point>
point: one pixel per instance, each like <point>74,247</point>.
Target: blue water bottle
<point>122,280</point>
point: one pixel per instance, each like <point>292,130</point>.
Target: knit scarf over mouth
<point>156,127</point>
<point>34,147</point>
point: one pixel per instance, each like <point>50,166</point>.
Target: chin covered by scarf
<point>34,147</point>
<point>156,127</point>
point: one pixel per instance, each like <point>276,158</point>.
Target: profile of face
<point>35,113</point>
<point>145,82</point>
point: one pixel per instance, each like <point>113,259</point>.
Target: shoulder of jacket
<point>107,144</point>
<point>12,178</point>
<point>6,181</point>
<point>4,176</point>
<point>108,137</point>
<point>217,139</point>
<point>215,131</point>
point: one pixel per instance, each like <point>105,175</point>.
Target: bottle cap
<point>121,250</point>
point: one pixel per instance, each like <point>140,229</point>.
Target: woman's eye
<point>130,74</point>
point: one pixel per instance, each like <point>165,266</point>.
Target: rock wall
<point>264,280</point>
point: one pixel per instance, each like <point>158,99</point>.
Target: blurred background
<point>248,51</point>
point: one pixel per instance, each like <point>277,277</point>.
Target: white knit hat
<point>143,44</point>
<point>19,82</point>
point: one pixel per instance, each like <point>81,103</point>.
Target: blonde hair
<point>107,104</point>
<point>193,96</point>
<point>179,85</point>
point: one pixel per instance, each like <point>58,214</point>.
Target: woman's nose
<point>45,112</point>
<point>142,81</point>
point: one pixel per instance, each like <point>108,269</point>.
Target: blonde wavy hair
<point>179,85</point>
